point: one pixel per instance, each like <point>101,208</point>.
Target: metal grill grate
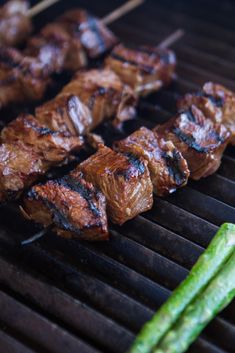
<point>70,296</point>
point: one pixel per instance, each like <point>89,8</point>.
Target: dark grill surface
<point>71,296</point>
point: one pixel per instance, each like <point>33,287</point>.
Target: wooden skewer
<point>40,7</point>
<point>111,17</point>
<point>121,11</point>
<point>171,39</point>
<point>36,236</point>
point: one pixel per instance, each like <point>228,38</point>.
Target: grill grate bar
<point>55,302</point>
<point>35,328</point>
<point>9,344</point>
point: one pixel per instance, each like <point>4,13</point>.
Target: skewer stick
<point>40,7</point>
<point>171,39</point>
<point>121,11</point>
<point>35,237</point>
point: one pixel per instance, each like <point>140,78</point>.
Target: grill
<point>71,296</point>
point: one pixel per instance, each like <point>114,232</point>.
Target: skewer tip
<point>34,237</point>
<point>172,38</point>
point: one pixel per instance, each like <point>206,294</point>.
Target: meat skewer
<point>142,160</point>
<point>216,102</point>
<point>66,44</point>
<point>55,132</point>
<point>15,20</point>
<point>91,97</point>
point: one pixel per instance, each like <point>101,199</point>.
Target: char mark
<point>174,168</point>
<point>101,91</point>
<point>59,219</point>
<point>92,22</point>
<point>190,141</point>
<point>216,101</point>
<point>148,69</point>
<point>135,163</point>
<point>76,186</point>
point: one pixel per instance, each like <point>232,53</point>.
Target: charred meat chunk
<point>168,169</point>
<point>53,147</point>
<point>200,141</point>
<point>123,179</point>
<point>21,78</point>
<point>65,113</point>
<point>73,206</point>
<point>19,168</point>
<point>56,50</point>
<point>94,36</point>
<point>144,69</point>
<point>15,26</point>
<point>104,94</point>
<point>90,98</point>
<point>216,102</point>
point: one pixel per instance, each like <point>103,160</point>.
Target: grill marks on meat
<point>94,36</point>
<point>21,78</point>
<point>70,41</point>
<point>15,26</point>
<point>200,141</point>
<point>168,169</point>
<point>123,179</point>
<point>144,69</point>
<point>72,205</point>
<point>54,147</point>
<point>28,150</point>
<point>65,44</point>
<point>90,98</point>
<point>19,168</point>
<point>216,102</point>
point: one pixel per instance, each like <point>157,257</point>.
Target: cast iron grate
<point>70,296</point>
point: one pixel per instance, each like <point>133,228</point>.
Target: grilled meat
<point>90,98</point>
<point>200,141</point>
<point>123,179</point>
<point>19,168</point>
<point>56,50</point>
<point>27,151</point>
<point>216,102</point>
<point>168,169</point>
<point>94,36</point>
<point>94,140</point>
<point>65,113</point>
<point>144,69</point>
<point>70,41</point>
<point>15,26</point>
<point>54,147</point>
<point>72,205</point>
<point>21,78</point>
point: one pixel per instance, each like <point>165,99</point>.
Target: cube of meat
<point>104,94</point>
<point>168,169</point>
<point>15,26</point>
<point>144,69</point>
<point>53,147</point>
<point>22,78</point>
<point>216,102</point>
<point>65,113</point>
<point>19,168</point>
<point>200,141</point>
<point>123,179</point>
<point>56,50</point>
<point>72,205</point>
<point>94,36</point>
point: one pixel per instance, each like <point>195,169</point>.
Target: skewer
<point>121,11</point>
<point>172,38</point>
<point>41,6</point>
<point>36,236</point>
